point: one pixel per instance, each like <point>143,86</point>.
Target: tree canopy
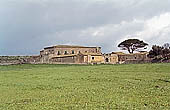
<point>159,53</point>
<point>132,45</point>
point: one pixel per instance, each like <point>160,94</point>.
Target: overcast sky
<point>26,26</point>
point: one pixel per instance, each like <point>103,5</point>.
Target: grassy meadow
<point>85,87</point>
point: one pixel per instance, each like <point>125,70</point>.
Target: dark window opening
<point>96,50</point>
<point>58,53</point>
<point>65,52</point>
<point>72,51</point>
<point>107,59</point>
<point>92,58</point>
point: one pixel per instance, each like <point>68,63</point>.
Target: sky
<point>27,26</point>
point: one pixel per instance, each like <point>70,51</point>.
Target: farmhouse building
<point>71,54</point>
<point>67,54</point>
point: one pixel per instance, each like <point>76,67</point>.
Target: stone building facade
<point>134,58</point>
<point>111,58</point>
<point>66,54</point>
<point>71,54</point>
<point>123,58</point>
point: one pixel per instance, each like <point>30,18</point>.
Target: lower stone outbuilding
<point>81,58</point>
<point>121,58</point>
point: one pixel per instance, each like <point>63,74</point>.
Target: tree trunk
<point>130,51</point>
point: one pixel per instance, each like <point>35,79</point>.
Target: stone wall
<point>68,59</point>
<point>133,58</point>
<point>9,60</point>
<point>136,61</point>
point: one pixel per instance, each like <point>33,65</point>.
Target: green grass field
<point>85,87</point>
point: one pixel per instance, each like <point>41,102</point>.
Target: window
<point>85,51</point>
<point>96,50</point>
<point>107,59</point>
<point>65,52</point>
<point>52,51</point>
<point>72,51</point>
<point>58,53</point>
<point>92,58</point>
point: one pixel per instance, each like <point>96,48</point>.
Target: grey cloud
<point>26,26</point>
